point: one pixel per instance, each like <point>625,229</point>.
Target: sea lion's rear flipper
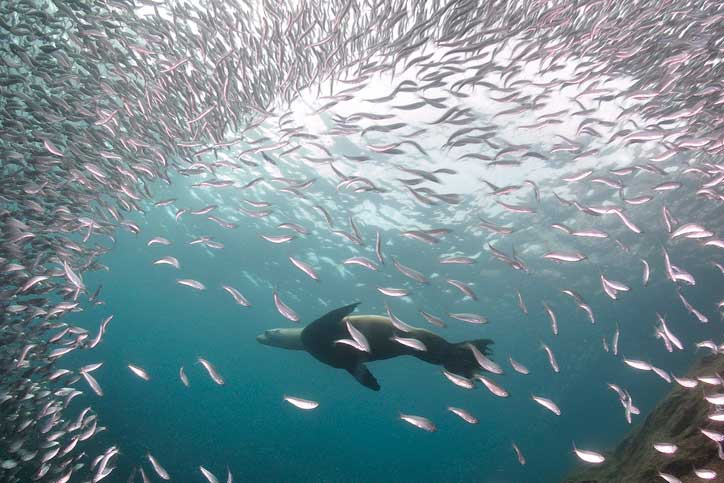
<point>460,359</point>
<point>321,334</point>
<point>364,376</point>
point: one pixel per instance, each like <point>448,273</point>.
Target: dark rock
<point>676,419</point>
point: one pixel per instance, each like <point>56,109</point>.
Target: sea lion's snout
<point>288,338</point>
<point>263,338</point>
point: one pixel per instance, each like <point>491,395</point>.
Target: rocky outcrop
<point>676,419</point>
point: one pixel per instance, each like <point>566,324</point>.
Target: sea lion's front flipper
<point>364,376</point>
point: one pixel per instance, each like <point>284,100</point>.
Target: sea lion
<point>321,339</point>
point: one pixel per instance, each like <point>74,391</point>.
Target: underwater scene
<point>361,241</point>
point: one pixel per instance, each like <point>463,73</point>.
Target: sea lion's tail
<point>460,359</point>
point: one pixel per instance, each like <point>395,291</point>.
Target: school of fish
<point>102,102</point>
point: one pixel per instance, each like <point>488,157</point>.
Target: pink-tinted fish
<point>552,316</point>
<point>463,414</point>
<point>278,239</point>
<point>140,372</point>
<point>168,261</point>
<point>393,292</point>
<point>191,283</point>
<point>463,287</point>
<point>551,358</point>
<point>565,257</point>
<point>548,404</point>
<point>363,262</point>
<point>491,386</point>
<point>284,309</point>
<point>304,267</point>
<point>518,454</point>
<point>211,370</point>
<point>236,295</point>
<point>437,321</point>
<point>419,422</point>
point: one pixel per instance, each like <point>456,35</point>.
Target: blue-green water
<point>355,434</point>
<point>545,119</point>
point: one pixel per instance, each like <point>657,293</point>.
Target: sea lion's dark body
<point>320,339</point>
<point>379,332</point>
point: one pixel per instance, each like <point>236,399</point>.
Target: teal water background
<point>355,434</point>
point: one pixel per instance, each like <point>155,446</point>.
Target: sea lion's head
<point>290,338</point>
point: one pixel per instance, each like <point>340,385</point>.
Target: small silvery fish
<point>140,372</point>
<point>518,454</point>
<point>182,375</point>
<point>301,403</point>
<point>191,283</point>
<point>363,262</point>
<point>459,381</point>
<point>483,361</point>
<point>518,367</point>
<point>304,267</point>
<point>393,292</point>
<point>469,318</point>
<point>410,342</point>
<point>419,422</point>
<point>211,370</point>
<point>705,474</point>
<point>278,239</point>
<point>492,387</point>
<point>564,257</point>
<point>236,295</point>
<point>208,475</point>
<point>589,456</point>
<point>666,448</point>
<point>463,414</point>
<point>551,358</point>
<point>160,471</point>
<point>284,309</point>
<point>548,404</point>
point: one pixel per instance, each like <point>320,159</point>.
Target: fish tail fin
<point>460,359</point>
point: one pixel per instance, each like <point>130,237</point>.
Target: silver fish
<point>459,381</point>
<point>410,342</point>
<point>362,261</point>
<point>236,295</point>
<point>492,387</point>
<point>588,456</point>
<point>518,367</point>
<point>565,257</point>
<point>483,361</point>
<point>301,403</point>
<point>409,272</point>
<point>548,404</point>
<point>463,414</point>
<point>284,309</point>
<point>160,470</point>
<point>551,358</point>
<point>518,454</point>
<point>211,370</point>
<point>552,316</point>
<point>208,475</point>
<point>304,267</point>
<point>419,422</point>
<point>469,318</point>
<point>463,287</point>
<point>393,292</point>
<point>140,372</point>
<point>168,261</point>
<point>191,283</point>
<point>182,375</point>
